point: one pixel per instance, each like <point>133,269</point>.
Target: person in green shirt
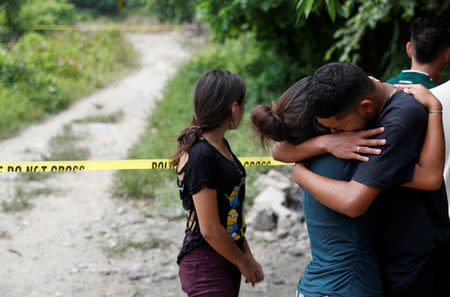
<point>428,49</point>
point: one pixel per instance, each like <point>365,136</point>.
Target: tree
<point>9,10</point>
<point>371,33</point>
<point>301,43</point>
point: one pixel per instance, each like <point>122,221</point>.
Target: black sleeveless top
<point>207,167</point>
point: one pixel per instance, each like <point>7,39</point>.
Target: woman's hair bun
<point>268,124</point>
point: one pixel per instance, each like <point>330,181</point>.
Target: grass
<point>35,176</point>
<point>5,235</point>
<point>64,146</point>
<point>21,198</point>
<point>20,201</point>
<point>44,191</point>
<point>123,245</point>
<point>101,118</point>
<point>42,73</point>
<point>16,204</point>
<point>98,106</point>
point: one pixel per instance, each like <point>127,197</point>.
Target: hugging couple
<point>374,201</point>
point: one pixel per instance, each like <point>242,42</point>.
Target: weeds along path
<point>52,248</point>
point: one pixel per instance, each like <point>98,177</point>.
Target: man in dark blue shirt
<point>414,227</point>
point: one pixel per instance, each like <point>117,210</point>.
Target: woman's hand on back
<point>351,145</point>
<point>423,95</point>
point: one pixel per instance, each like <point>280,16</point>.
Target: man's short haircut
<point>338,87</point>
<point>429,37</point>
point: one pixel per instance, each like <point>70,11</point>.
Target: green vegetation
<point>307,33</point>
<point>19,201</point>
<point>101,118</point>
<point>4,234</point>
<point>174,11</point>
<point>64,146</point>
<point>123,245</point>
<point>21,198</point>
<point>20,16</point>
<point>42,74</point>
<point>45,12</point>
<point>35,176</point>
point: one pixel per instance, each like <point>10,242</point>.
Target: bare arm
<point>215,234</point>
<point>350,198</point>
<point>353,198</point>
<point>248,252</point>
<point>288,153</point>
<point>429,169</point>
<point>342,145</point>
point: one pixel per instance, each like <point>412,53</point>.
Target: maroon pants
<point>204,272</point>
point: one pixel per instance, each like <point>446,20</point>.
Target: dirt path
<point>49,250</point>
<point>76,240</point>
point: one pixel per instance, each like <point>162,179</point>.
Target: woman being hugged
<point>211,181</point>
<point>343,247</point>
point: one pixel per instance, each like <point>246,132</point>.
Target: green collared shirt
<point>413,77</point>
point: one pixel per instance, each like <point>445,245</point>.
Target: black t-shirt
<point>207,167</point>
<point>412,223</point>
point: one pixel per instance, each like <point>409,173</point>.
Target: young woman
<point>343,249</point>
<point>211,181</point>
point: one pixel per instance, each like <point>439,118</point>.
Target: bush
<point>266,74</point>
<point>9,20</point>
<point>45,12</point>
<point>98,6</point>
<point>42,74</point>
<point>372,33</point>
<point>174,11</point>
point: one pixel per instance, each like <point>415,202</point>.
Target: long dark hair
<point>214,94</point>
<point>289,119</point>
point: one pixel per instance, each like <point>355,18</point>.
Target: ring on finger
<point>358,149</point>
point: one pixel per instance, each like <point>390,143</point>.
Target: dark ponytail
<point>214,94</point>
<point>289,119</point>
<point>267,123</point>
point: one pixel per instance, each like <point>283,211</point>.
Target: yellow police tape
<point>147,164</point>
